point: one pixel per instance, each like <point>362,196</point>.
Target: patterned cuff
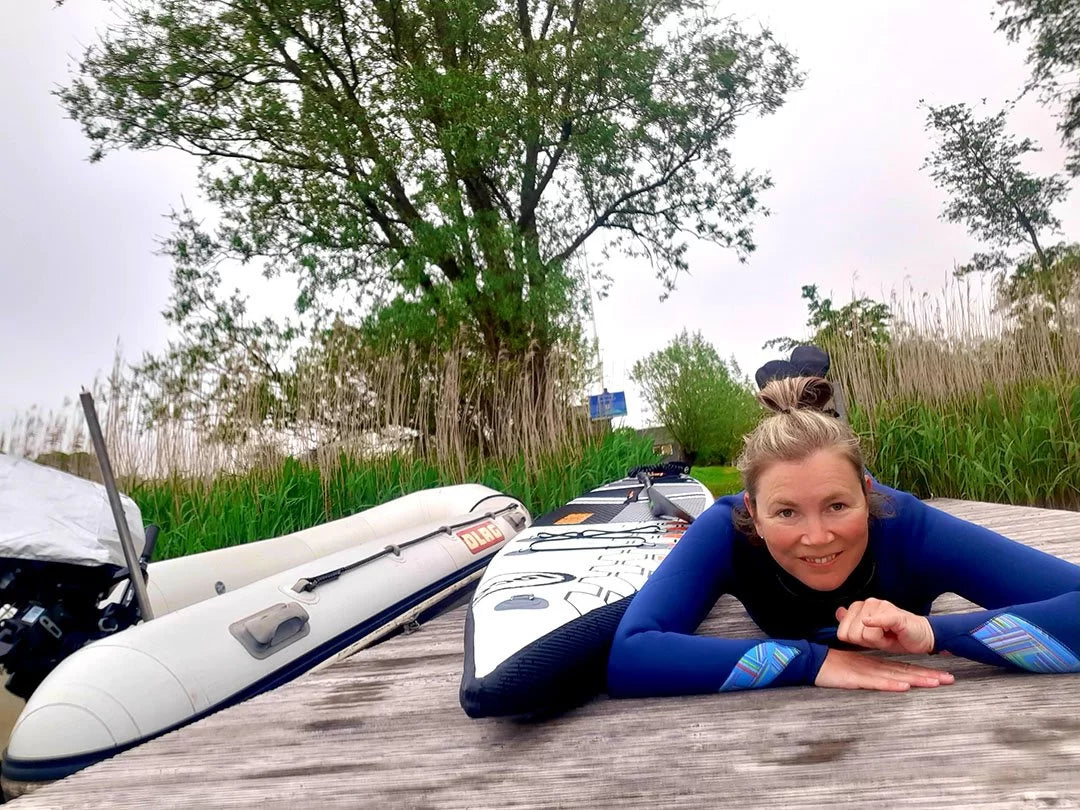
<point>1025,645</point>
<point>760,666</point>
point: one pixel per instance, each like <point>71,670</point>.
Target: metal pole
<point>135,573</point>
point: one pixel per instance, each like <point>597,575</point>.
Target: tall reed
<point>198,515</point>
<point>342,434</point>
<point>967,401</point>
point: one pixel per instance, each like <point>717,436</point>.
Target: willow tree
<point>980,164</point>
<point>1051,30</point>
<point>450,156</point>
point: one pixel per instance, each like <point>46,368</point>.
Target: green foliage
<point>719,480</point>
<point>704,402</point>
<point>1016,445</point>
<point>978,163</point>
<point>863,320</point>
<point>229,510</point>
<point>1053,35</point>
<point>449,156</point>
<point>1032,293</point>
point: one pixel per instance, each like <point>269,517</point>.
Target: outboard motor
<point>61,569</point>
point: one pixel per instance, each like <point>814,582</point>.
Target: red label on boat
<point>481,536</point>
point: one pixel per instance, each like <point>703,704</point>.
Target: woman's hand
<point>881,625</point>
<point>844,669</point>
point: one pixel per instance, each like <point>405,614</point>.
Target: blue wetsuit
<point>913,556</point>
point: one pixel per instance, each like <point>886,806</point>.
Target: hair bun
<point>794,393</point>
<point>816,393</point>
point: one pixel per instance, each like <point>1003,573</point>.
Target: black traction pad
<point>581,514</point>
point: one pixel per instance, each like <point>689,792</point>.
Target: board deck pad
<point>540,625</point>
<point>622,502</point>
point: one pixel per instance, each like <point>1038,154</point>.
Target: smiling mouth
<point>821,561</point>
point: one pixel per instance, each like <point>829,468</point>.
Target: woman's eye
<point>785,513</point>
<point>837,507</point>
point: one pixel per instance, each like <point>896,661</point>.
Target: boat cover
<point>49,515</point>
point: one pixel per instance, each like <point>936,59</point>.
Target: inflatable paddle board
<point>540,624</point>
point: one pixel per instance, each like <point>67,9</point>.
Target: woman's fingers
<point>843,669</point>
<point>886,617</point>
<point>872,637</point>
<point>849,623</point>
<point>881,625</point>
<point>854,630</point>
<point>914,675</point>
<point>939,675</point>
<point>924,681</point>
<point>888,685</point>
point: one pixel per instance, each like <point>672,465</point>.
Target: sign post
<point>607,405</point>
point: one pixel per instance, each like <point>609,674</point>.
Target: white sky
<point>850,206</point>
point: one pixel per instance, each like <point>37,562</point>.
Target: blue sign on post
<point>607,405</point>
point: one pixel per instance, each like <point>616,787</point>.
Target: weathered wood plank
<point>384,729</point>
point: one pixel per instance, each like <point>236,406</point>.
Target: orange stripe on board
<point>573,517</point>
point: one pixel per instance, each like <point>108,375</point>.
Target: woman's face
<point>814,518</point>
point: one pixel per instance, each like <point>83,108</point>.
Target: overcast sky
<point>850,207</point>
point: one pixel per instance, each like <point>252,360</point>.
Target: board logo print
<point>528,579</point>
<point>481,536</point>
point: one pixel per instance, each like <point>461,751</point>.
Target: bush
<point>706,403</point>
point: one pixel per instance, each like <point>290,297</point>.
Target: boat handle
<point>267,631</point>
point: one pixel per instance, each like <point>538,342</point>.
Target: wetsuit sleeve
<point>655,651</point>
<point>1033,620</point>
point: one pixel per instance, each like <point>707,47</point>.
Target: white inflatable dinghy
<point>233,623</point>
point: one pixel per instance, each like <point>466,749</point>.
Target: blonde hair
<point>801,425</point>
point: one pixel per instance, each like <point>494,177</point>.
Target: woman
<point>818,552</point>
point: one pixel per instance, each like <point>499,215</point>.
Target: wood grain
<point>384,729</point>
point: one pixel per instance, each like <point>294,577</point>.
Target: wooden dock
<point>384,729</point>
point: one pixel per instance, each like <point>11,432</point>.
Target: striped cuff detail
<point>760,666</point>
<point>1025,645</point>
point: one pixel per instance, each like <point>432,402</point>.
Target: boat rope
<point>632,534</point>
<point>589,534</point>
<point>311,583</point>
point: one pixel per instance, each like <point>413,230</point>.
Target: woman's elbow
<point>624,670</point>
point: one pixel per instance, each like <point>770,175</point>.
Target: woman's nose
<point>817,533</point>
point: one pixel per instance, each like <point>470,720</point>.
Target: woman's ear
<point>750,508</point>
<point>869,483</point>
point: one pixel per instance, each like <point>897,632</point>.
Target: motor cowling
<point>53,609</point>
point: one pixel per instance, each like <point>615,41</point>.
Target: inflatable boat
<point>541,621</point>
<point>228,624</point>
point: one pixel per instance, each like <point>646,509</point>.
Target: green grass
<point>229,510</point>
<point>719,480</point>
<point>1019,444</point>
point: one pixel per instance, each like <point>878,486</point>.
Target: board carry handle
<point>668,469</point>
<point>659,504</point>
